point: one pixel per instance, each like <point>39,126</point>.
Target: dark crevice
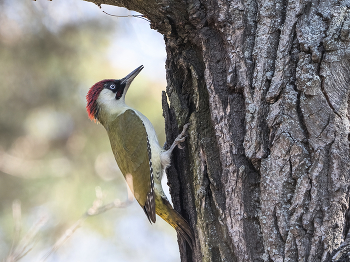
<point>173,26</point>
<point>348,116</point>
<point>347,217</point>
<point>282,17</point>
<point>327,180</point>
<point>307,8</point>
<point>296,50</point>
<point>302,121</point>
<point>263,126</point>
<point>326,125</point>
<point>265,130</point>
<point>276,225</point>
<point>215,255</point>
<point>284,11</point>
<point>322,82</point>
<point>327,97</point>
<point>249,39</point>
<point>294,55</point>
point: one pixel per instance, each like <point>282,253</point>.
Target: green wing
<point>132,152</point>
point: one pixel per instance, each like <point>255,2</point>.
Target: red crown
<point>91,98</point>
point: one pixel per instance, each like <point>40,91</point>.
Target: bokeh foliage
<point>52,157</point>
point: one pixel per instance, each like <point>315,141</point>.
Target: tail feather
<point>173,218</point>
<point>186,233</point>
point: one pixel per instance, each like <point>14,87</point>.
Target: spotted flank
<point>150,207</point>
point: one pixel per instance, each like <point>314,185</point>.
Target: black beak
<point>130,77</point>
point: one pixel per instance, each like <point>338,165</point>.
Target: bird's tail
<point>173,218</point>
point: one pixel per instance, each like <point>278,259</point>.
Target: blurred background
<point>52,157</point>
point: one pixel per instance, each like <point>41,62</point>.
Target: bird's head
<point>109,95</point>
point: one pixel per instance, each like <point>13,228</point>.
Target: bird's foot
<point>166,155</point>
<point>181,137</point>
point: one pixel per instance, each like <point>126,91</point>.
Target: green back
<point>128,139</point>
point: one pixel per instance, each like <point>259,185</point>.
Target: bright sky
<point>134,43</point>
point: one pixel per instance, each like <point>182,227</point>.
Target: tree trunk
<point>265,86</point>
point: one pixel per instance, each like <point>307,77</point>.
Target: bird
<point>136,149</point>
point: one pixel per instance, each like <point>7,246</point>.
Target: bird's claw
<point>178,141</point>
<point>185,128</point>
<point>182,137</point>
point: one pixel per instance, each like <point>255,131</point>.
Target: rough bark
<point>265,87</point>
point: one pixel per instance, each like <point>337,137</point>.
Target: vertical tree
<point>265,86</point>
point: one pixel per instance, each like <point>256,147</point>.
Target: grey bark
<point>265,86</point>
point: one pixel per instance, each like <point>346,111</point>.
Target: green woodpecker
<point>136,149</point>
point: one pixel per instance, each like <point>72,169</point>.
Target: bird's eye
<point>112,86</point>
